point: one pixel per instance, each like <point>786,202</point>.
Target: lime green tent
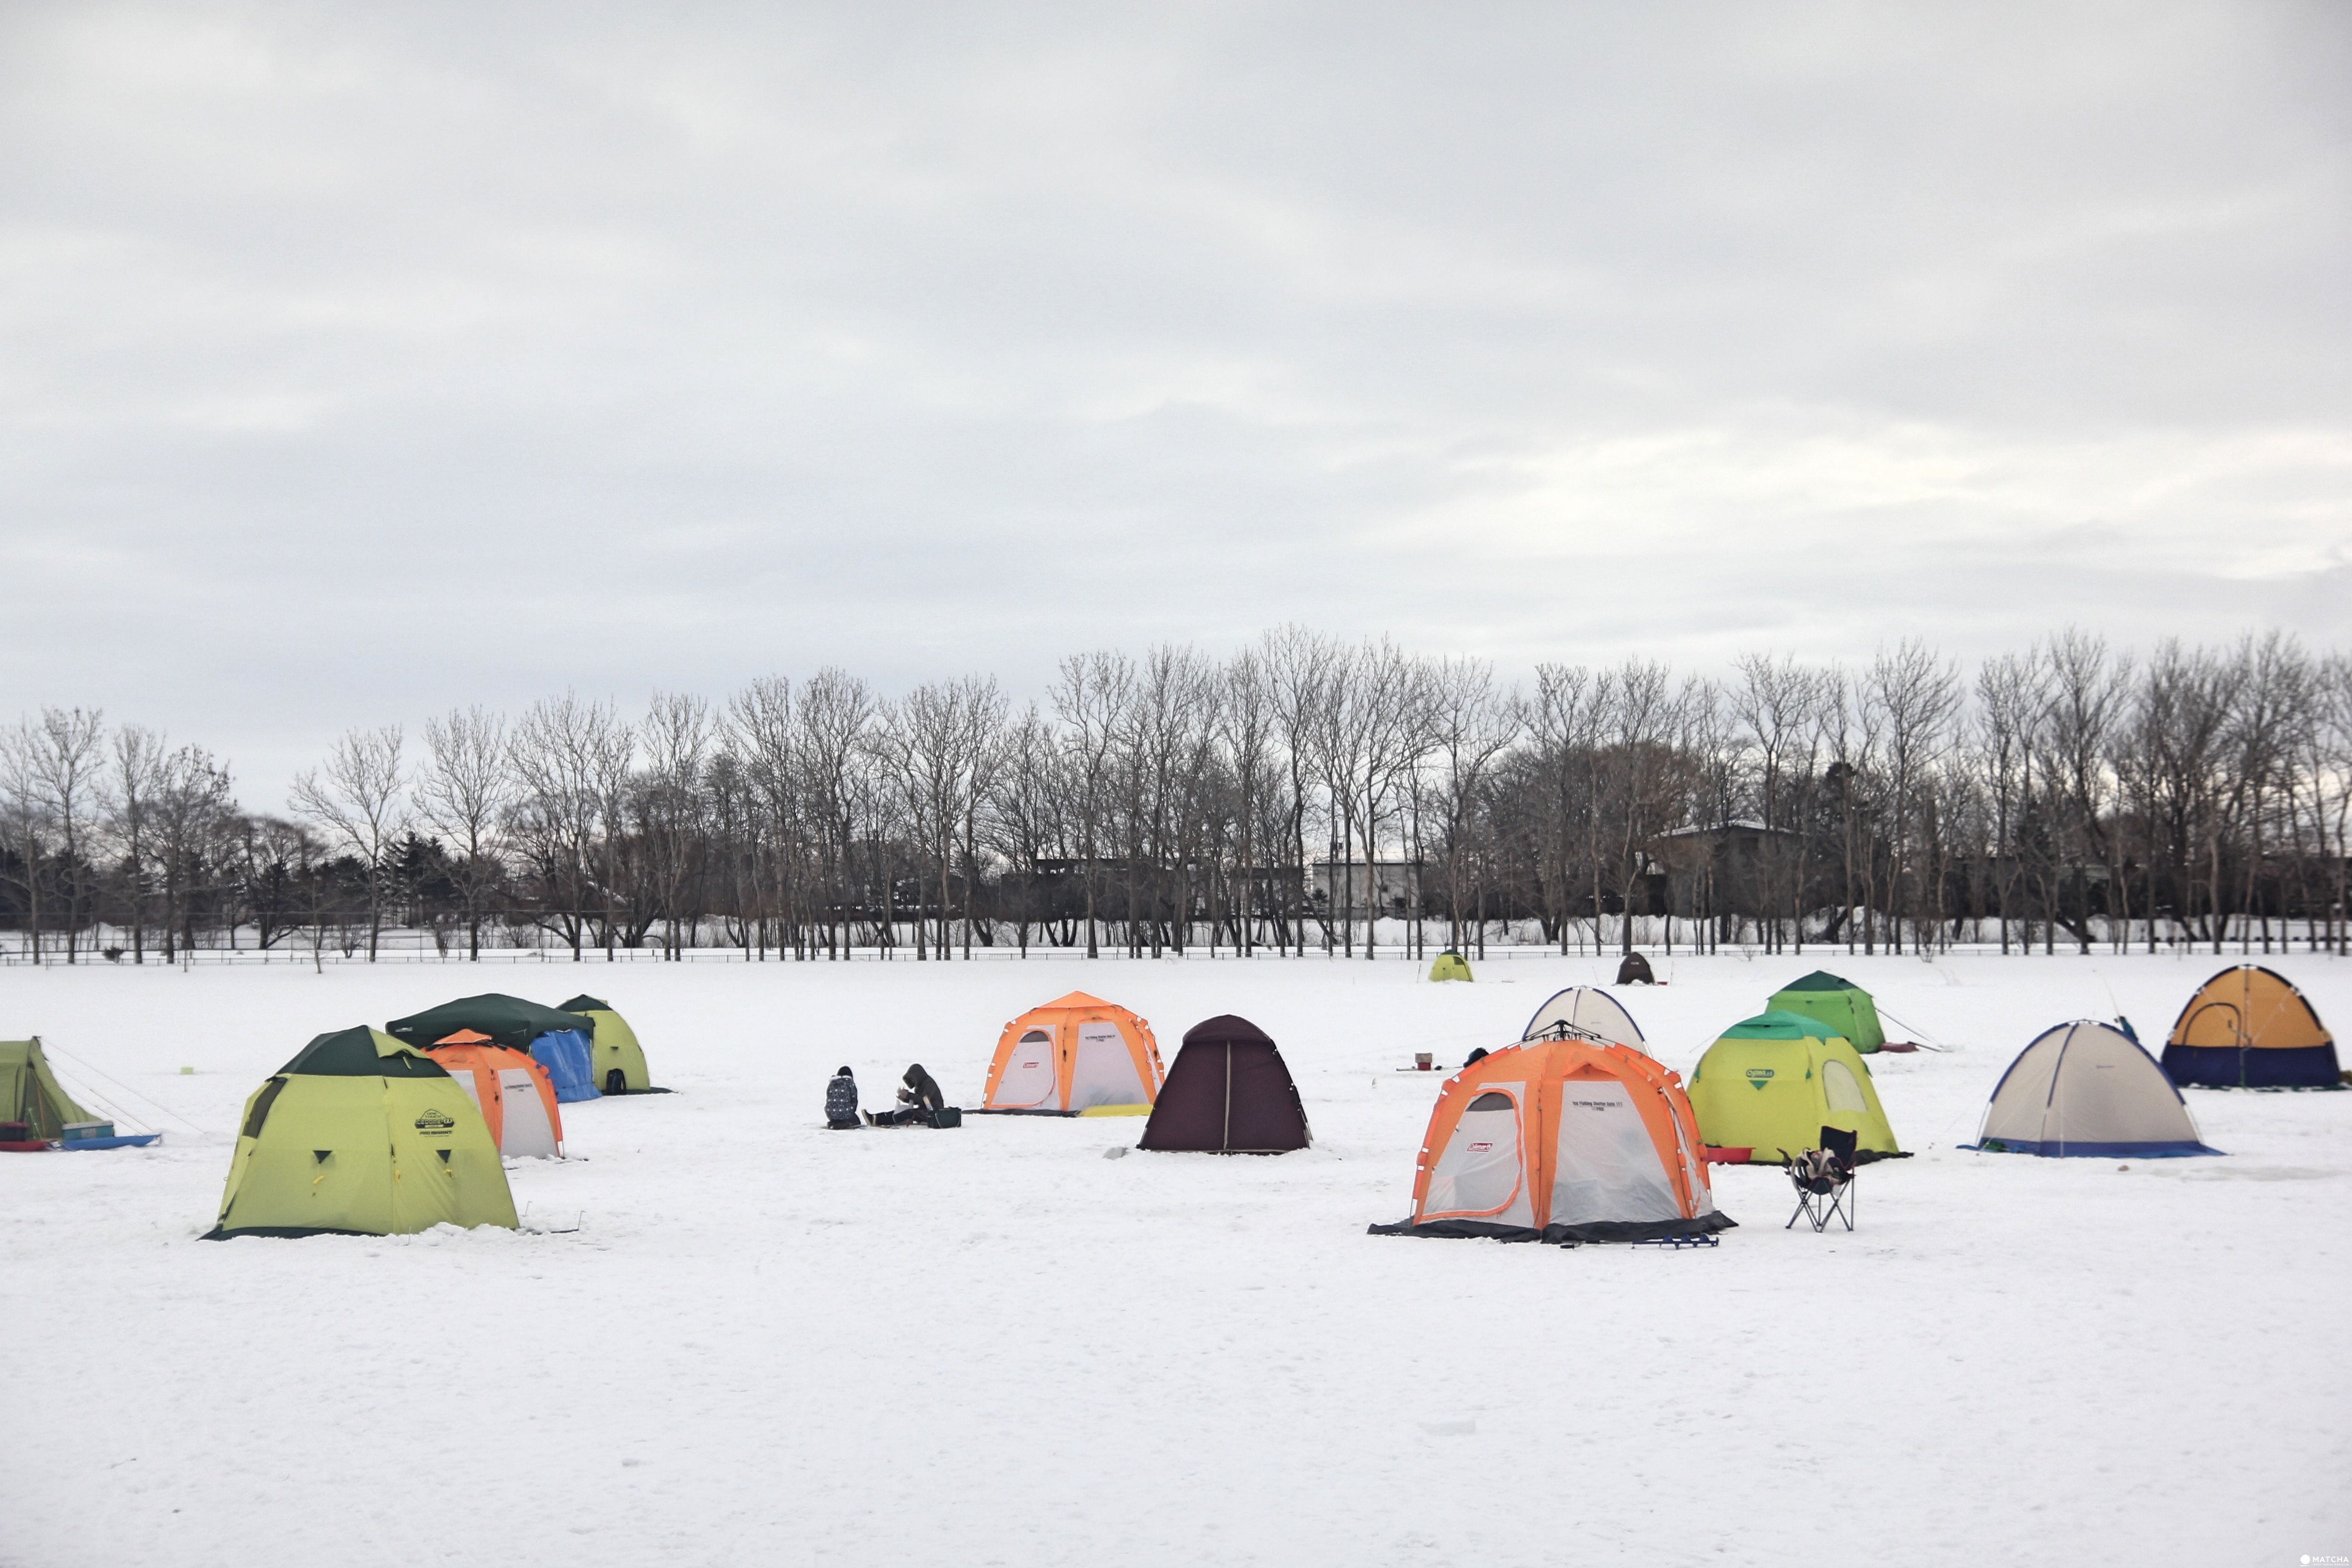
<point>620,1061</point>
<point>1772,1082</point>
<point>361,1136</point>
<point>1449,965</point>
<point>1844,1007</point>
<point>29,1092</point>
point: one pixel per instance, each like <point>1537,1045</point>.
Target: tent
<point>557,1041</point>
<point>2087,1090</point>
<point>1228,1093</point>
<point>513,1093</point>
<point>362,1135</point>
<point>1449,965</point>
<point>620,1061</point>
<point>1844,1007</point>
<point>1077,1056</point>
<point>1634,970</point>
<point>1561,1141</point>
<point>1771,1083</point>
<point>2249,1028</point>
<point>1584,1012</point>
<point>29,1095</point>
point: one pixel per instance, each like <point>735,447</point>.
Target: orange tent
<point>1562,1141</point>
<point>1077,1056</point>
<point>516,1096</point>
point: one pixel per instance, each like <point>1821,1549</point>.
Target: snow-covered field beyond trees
<point>767,1344</point>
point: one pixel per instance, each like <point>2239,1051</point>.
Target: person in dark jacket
<point>841,1102</point>
<point>917,1098</point>
<point>1476,1057</point>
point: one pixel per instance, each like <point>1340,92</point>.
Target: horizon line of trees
<point>1287,799</point>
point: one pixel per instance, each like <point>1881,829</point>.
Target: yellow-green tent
<point>1772,1082</point>
<point>361,1136</point>
<point>29,1092</point>
<point>1841,1004</point>
<point>1449,965</point>
<point>620,1061</point>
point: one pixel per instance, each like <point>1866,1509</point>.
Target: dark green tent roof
<point>509,1020</point>
<point>583,1003</point>
<point>354,1053</point>
<point>1821,979</point>
<point>1779,1025</point>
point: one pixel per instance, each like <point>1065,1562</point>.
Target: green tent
<point>510,1021</point>
<point>1449,965</point>
<point>361,1136</point>
<point>29,1092</point>
<point>1844,1007</point>
<point>620,1061</point>
<point>1771,1083</point>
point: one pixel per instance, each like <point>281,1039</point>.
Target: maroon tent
<point>1227,1093</point>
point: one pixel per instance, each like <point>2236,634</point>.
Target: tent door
<point>1608,1166</point>
<point>1481,1174</point>
<point>1028,1076</point>
<point>526,1131</point>
<point>1104,1073</point>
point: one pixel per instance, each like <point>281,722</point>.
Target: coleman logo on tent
<point>1596,1104</point>
<point>1759,1077</point>
<point>434,1124</point>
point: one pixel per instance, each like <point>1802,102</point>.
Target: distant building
<point>1392,888</point>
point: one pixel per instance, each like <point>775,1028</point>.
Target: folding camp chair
<point>1823,1178</point>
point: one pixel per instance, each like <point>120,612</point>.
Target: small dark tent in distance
<point>1634,970</point>
<point>1227,1093</point>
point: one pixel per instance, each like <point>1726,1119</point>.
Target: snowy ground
<point>767,1344</point>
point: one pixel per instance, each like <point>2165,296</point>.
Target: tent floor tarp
<point>1590,1230</point>
<point>1034,1110</point>
<point>2090,1151</point>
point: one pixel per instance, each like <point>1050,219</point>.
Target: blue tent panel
<point>570,1064</point>
<point>2260,1066</point>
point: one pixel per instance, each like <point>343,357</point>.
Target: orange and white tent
<point>514,1093</point>
<point>1562,1141</point>
<point>1077,1056</point>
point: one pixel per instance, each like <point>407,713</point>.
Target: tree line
<point>1306,795</point>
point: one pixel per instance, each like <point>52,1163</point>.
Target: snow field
<point>766,1343</point>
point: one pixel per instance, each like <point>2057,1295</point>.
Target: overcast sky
<point>356,361</point>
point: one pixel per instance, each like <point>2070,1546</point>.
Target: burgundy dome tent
<point>1227,1092</point>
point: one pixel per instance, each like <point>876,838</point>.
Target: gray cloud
<point>356,363</point>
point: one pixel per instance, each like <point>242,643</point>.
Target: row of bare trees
<point>1305,795</point>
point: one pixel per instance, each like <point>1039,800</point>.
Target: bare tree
<point>1473,722</point>
<point>1916,694</point>
<point>1091,697</point>
<point>356,798</point>
<point>131,787</point>
<point>195,825</point>
<point>464,792</point>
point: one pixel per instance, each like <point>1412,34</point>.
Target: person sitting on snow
<point>841,1101</point>
<point>917,1101</point>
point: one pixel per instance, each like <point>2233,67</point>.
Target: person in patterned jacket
<point>841,1102</point>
